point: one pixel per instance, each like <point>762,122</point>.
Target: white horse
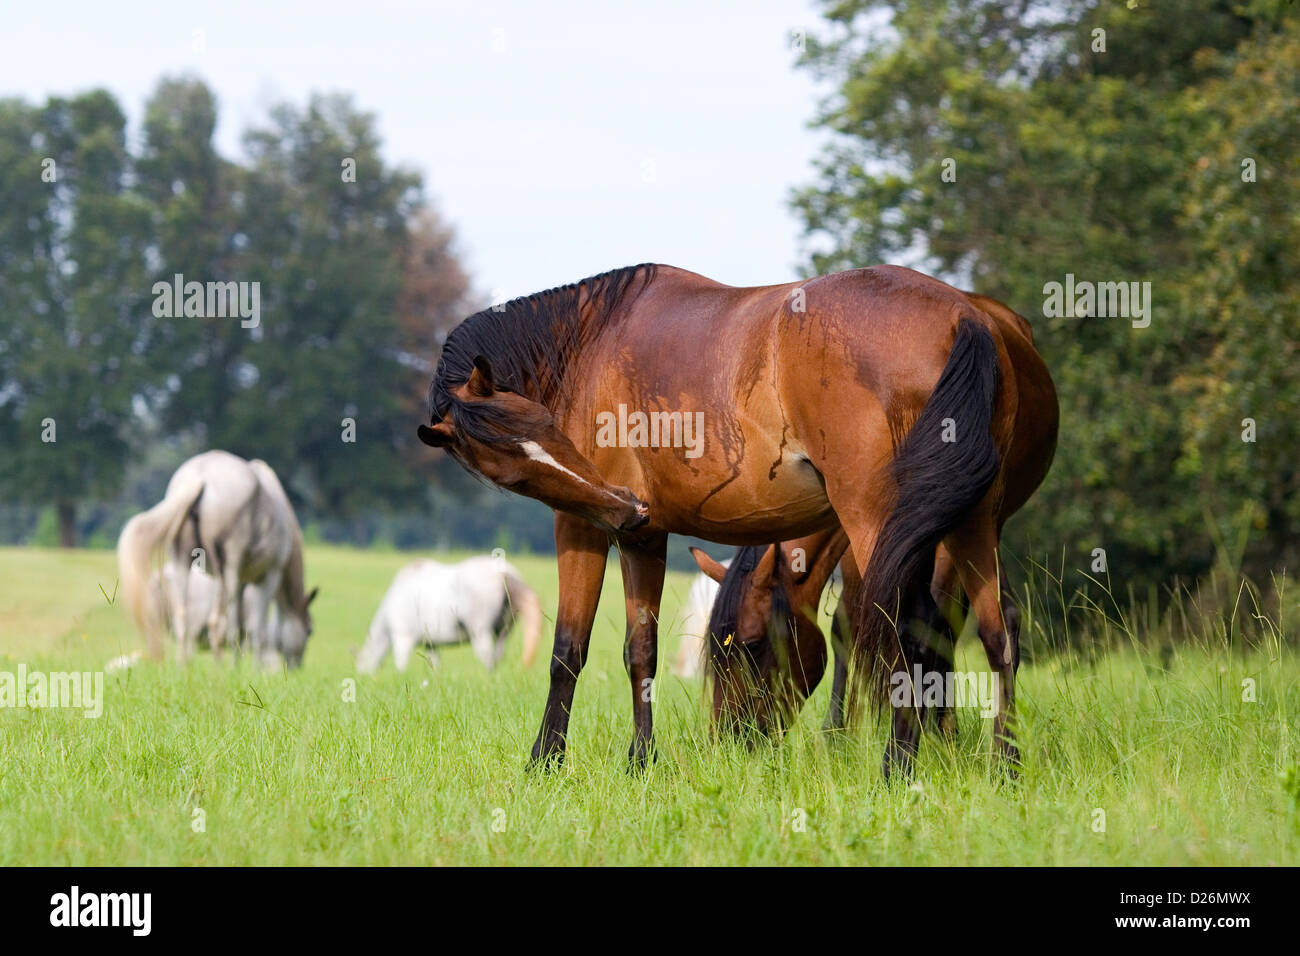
<point>201,594</point>
<point>234,516</point>
<point>437,604</point>
<point>695,624</point>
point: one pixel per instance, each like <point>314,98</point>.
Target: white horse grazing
<point>202,593</point>
<point>236,516</point>
<point>430,603</point>
<point>695,624</point>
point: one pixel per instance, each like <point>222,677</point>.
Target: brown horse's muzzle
<point>633,514</point>
<point>616,510</point>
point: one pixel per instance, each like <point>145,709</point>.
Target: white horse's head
<point>295,628</point>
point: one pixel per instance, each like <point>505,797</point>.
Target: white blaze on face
<point>536,452</point>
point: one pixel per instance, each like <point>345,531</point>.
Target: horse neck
<point>595,318</point>
<point>293,585</point>
<point>826,549</point>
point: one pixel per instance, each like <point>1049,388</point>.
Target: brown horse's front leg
<point>581,549</point>
<point>643,583</point>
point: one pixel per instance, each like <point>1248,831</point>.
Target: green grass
<point>421,766</point>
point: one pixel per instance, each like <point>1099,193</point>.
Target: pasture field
<point>428,767</point>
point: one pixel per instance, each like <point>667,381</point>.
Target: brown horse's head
<point>766,652</point>
<point>514,443</point>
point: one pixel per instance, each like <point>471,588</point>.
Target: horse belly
<point>434,618</point>
<point>774,494</point>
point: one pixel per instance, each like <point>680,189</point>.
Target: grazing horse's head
<point>295,628</point>
<point>765,655</point>
<point>514,443</point>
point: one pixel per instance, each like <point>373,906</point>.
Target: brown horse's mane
<point>528,343</point>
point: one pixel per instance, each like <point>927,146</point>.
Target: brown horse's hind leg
<point>581,549</point>
<point>904,710</point>
<point>975,551</point>
<point>920,644</point>
<point>643,583</point>
<point>943,588</point>
<point>842,641</point>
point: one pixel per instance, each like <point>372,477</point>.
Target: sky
<point>560,139</point>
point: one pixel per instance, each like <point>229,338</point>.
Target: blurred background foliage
<point>359,281</point>
<point>1118,155</point>
<point>1115,141</point>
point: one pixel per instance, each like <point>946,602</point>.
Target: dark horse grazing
<point>766,654</point>
<point>880,400</point>
<point>764,649</point>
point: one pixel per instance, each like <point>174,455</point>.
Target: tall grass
<point>1140,742</point>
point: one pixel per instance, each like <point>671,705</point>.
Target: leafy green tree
<point>1005,146</point>
<point>190,189</point>
<point>319,388</point>
<point>1241,393</point>
<point>73,294</point>
<point>356,280</point>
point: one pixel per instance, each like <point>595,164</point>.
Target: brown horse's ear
<point>311,597</point>
<point>765,570</point>
<point>480,380</point>
<point>439,436</point>
<point>708,566</point>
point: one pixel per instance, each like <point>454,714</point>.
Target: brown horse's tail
<point>942,469</point>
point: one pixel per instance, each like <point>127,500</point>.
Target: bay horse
<point>764,650</point>
<point>435,605</point>
<point>878,399</point>
<point>767,654</point>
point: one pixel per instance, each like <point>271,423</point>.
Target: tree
<point>1005,146</point>
<point>353,276</point>
<point>74,299</point>
<point>190,189</point>
<point>319,388</point>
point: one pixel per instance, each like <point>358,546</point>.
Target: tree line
<point>114,252</point>
<point>1015,147</point>
<point>1025,149</point>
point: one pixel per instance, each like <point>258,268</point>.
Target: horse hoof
<point>552,758</point>
<point>897,762</point>
<point>947,728</point>
<point>639,757</point>
<point>1010,761</point>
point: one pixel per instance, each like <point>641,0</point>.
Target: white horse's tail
<point>528,609</point>
<point>139,542</point>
